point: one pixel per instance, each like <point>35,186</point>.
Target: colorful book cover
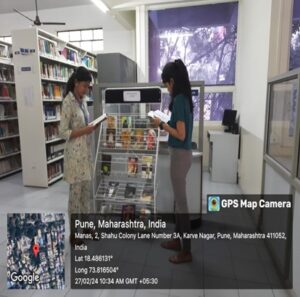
<point>111,137</point>
<point>132,166</point>
<point>106,164</point>
<point>125,138</point>
<point>138,140</point>
<point>147,166</point>
<point>111,122</point>
<point>130,190</point>
<point>128,212</point>
<point>151,139</point>
<point>126,122</point>
<point>147,194</point>
<point>112,189</point>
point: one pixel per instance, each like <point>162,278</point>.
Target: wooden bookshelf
<point>10,155</point>
<point>45,64</point>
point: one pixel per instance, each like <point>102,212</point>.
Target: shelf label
<point>132,96</point>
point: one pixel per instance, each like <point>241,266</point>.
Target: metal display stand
<point>127,151</point>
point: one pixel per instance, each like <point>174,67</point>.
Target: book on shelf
<point>147,167</point>
<point>89,61</point>
<point>159,114</point>
<point>138,139</point>
<point>48,47</point>
<point>4,52</point>
<point>132,166</point>
<point>105,208</point>
<point>112,189</point>
<point>151,139</point>
<point>130,190</point>
<point>126,122</point>
<point>55,150</point>
<point>148,193</point>
<point>125,138</point>
<point>52,112</point>
<point>56,71</point>
<point>106,164</point>
<point>8,128</point>
<point>7,74</point>
<point>9,146</point>
<point>112,122</point>
<point>54,169</point>
<point>128,212</point>
<point>98,120</point>
<point>144,215</point>
<point>111,137</point>
<point>51,131</point>
<point>7,92</point>
<point>10,164</point>
<point>52,91</point>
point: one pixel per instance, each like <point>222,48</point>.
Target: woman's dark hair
<point>80,74</point>
<point>182,85</point>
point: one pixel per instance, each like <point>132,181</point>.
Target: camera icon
<point>213,203</point>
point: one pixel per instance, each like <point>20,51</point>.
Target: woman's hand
<point>155,122</point>
<point>91,128</point>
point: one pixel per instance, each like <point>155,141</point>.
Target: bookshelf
<point>10,154</point>
<point>127,152</point>
<point>43,64</point>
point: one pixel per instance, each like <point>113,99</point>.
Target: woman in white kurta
<point>75,130</point>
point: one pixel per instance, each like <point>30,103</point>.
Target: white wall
<point>117,38</point>
<point>254,25</point>
<point>252,63</point>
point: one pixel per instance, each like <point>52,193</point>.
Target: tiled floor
<point>16,198</point>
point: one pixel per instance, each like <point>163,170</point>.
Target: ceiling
<point>7,6</point>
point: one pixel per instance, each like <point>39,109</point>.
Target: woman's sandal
<point>171,245</point>
<point>182,257</point>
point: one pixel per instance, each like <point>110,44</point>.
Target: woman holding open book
<point>75,128</point>
<point>180,127</point>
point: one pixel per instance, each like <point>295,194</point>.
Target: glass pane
<point>215,104</point>
<point>282,122</point>
<point>98,34</point>
<point>87,35</point>
<point>295,37</point>
<point>97,45</point>
<point>203,37</point>
<point>75,35</point>
<point>87,45</point>
<point>64,35</point>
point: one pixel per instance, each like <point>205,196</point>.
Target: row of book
<point>115,190</point>
<point>9,128</point>
<point>55,169</point>
<point>9,146</point>
<point>7,91</point>
<point>7,73</point>
<point>51,131</point>
<point>52,111</point>
<point>131,138</point>
<point>8,110</point>
<point>143,169</point>
<point>48,47</point>
<point>89,61</point>
<point>55,150</point>
<point>128,122</point>
<point>53,91</point>
<point>56,71</point>
<point>10,164</point>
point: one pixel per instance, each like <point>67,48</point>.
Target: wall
<point>251,88</point>
<point>114,33</point>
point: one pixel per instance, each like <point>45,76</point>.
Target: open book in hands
<point>98,120</point>
<point>159,114</point>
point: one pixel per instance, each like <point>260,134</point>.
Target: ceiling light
<point>101,5</point>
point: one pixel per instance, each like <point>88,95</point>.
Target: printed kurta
<point>77,155</point>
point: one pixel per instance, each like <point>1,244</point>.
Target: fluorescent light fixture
<point>101,5</point>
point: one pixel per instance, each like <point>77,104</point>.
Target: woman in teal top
<point>180,129</point>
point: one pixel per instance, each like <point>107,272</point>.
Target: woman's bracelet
<point>161,125</point>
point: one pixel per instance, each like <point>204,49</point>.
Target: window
<point>88,39</point>
<point>295,37</point>
<point>281,134</point>
<point>204,37</point>
<point>7,39</point>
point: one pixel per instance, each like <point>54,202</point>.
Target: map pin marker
<point>36,249</point>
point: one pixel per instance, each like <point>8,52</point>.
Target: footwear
<point>181,257</point>
<point>171,245</point>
